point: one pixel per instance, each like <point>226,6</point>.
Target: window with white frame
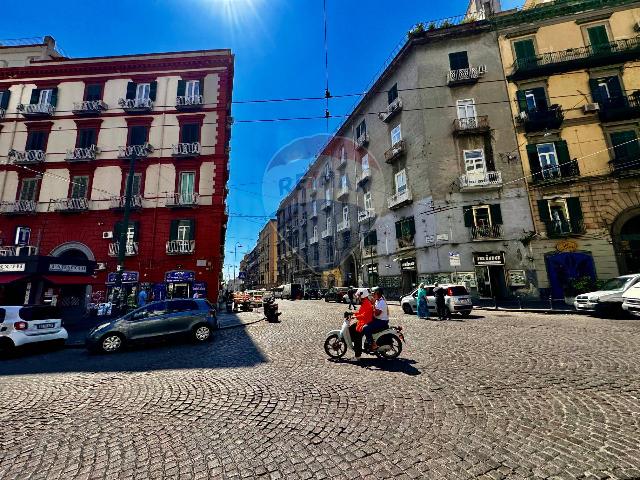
<point>343,182</point>
<point>143,91</point>
<point>396,135</point>
<point>401,181</point>
<point>365,162</point>
<point>367,201</point>
<point>548,159</point>
<point>192,88</point>
<point>45,96</point>
<point>314,207</point>
<point>467,115</point>
<point>29,189</point>
<point>474,165</point>
<point>345,213</point>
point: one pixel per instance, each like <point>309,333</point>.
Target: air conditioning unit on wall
<point>107,234</point>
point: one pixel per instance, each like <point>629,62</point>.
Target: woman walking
<point>423,306</point>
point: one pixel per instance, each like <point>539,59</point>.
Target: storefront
<point>372,278</point>
<point>490,274</point>
<point>129,285</point>
<point>409,275</point>
<point>181,283</point>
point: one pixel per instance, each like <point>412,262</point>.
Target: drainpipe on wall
<point>13,136</point>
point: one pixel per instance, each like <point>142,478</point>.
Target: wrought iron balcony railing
<point>364,176</point>
<point>362,141</point>
<point>140,151</point>
<point>392,109</point>
<point>465,76</point>
<point>406,241</point>
<point>82,154</point>
<point>189,102</point>
<point>186,149</point>
<point>366,214</point>
<point>488,180</point>
<point>133,105</point>
<point>89,107</point>
<point>176,200</point>
<point>395,151</point>
<point>486,232</point>
<point>18,207</point>
<point>471,125</point>
<point>313,240</point>
<point>326,205</point>
<point>327,232</point>
<point>71,205</point>
<point>625,166</point>
<point>181,247</point>
<point>18,251</point>
<point>36,109</point>
<point>562,171</point>
<point>400,199</point>
<point>619,108</point>
<point>343,226</point>
<point>581,57</point>
<point>28,157</point>
<point>563,228</point>
<point>118,203</point>
<point>538,120</point>
<point>343,192</point>
<point>130,249</point>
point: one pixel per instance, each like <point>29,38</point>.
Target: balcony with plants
<point>485,181</point>
<point>540,119</point>
<point>564,228</point>
<point>400,199</point>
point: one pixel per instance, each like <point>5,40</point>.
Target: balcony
<point>366,215</point>
<point>342,162</point>
<point>303,244</point>
<point>89,107</point>
<point>557,173</point>
<point>71,205</point>
<point>82,154</point>
<point>400,199</point>
<point>364,176</point>
<point>465,76</point>
<point>181,247</point>
<point>182,200</point>
<point>118,203</point>
<point>538,120</point>
<point>130,249</point>
<point>618,51</point>
<point>343,226</point>
<point>407,241</point>
<point>185,149</point>
<point>18,251</point>
<point>471,125</point>
<point>327,232</point>
<point>362,141</point>
<point>136,105</point>
<point>486,232</point>
<point>326,205</point>
<point>140,151</point>
<point>189,102</point>
<point>314,214</point>
<point>18,207</point>
<point>564,228</point>
<point>489,181</point>
<point>36,109</point>
<point>343,192</point>
<point>625,166</point>
<point>313,240</point>
<point>28,157</point>
<point>619,108</point>
<point>395,152</point>
<point>392,109</point>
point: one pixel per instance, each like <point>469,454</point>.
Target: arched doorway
<point>350,276</point>
<point>626,241</point>
<point>72,299</point>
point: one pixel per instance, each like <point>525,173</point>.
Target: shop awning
<point>69,279</point>
<point>11,277</point>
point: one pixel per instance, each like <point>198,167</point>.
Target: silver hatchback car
<point>457,300</point>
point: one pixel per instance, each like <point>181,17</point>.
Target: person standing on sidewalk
<point>142,298</point>
<point>350,293</point>
<point>423,306</point>
<point>441,307</point>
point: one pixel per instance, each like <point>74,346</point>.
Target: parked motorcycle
<point>270,309</point>
<point>389,341</point>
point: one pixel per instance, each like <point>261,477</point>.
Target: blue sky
<point>279,52</point>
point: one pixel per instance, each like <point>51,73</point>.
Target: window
<point>466,109</point>
<point>46,96</point>
<point>138,134</point>
<point>401,181</point>
<point>458,60</point>
<point>345,213</point>
<point>548,158</point>
<point>392,94</point>
<point>482,216</point>
<point>86,137</point>
<point>190,133</point>
<point>29,189</point>
<point>187,186</point>
<point>474,165</point>
<point>365,162</point>
<point>361,129</point>
<point>524,49</point>
<point>396,135</point>
<point>344,182</point>
<point>23,235</point>
<point>93,92</point>
<point>192,88</point>
<point>561,216</point>
<point>37,140</point>
<point>343,154</point>
<point>4,99</point>
<point>79,186</point>
<point>182,229</point>
<point>314,183</point>
<point>405,232</point>
<point>143,90</point>
<point>346,239</point>
<point>136,184</point>
<point>598,37</point>
<point>371,239</point>
<point>532,100</point>
<point>367,201</point>
<point>607,91</point>
<point>625,146</point>
<point>182,306</point>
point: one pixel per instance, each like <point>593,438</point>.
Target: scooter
<point>270,309</point>
<point>389,341</point>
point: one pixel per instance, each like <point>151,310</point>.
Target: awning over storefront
<point>69,280</point>
<point>11,277</point>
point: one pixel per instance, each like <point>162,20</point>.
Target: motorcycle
<point>389,341</point>
<point>270,309</point>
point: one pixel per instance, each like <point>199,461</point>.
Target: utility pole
<point>122,239</point>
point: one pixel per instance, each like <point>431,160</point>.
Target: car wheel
<point>7,347</point>
<point>111,343</point>
<point>466,314</point>
<point>406,308</point>
<point>201,333</point>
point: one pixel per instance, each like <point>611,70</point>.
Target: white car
<point>631,300</point>
<point>23,325</point>
<point>457,300</point>
<point>608,299</point>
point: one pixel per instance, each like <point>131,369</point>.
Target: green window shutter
<point>173,230</point>
<point>543,208</point>
<point>136,229</point>
<point>192,229</point>
<point>190,133</point>
<point>131,90</point>
<point>54,96</point>
<point>182,86</point>
<point>595,90</point>
<point>615,88</point>
<point>94,92</point>
<point>399,229</point>
<point>524,49</point>
<point>467,213</point>
<point>153,89</point>
<point>534,162</point>
<point>541,98</point>
<point>201,87</point>
<point>36,140</point>
<point>4,99</point>
<point>598,35</point>
<point>35,96</point>
<point>562,149</point>
<point>411,225</point>
<point>496,214</point>
<point>575,210</point>
<point>522,101</point>
<point>374,237</point>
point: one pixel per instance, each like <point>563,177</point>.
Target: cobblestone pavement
<point>499,395</point>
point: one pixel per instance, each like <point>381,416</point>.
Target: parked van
<point>631,300</point>
<point>292,291</point>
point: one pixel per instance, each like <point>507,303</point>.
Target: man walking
<point>350,293</point>
<point>439,291</point>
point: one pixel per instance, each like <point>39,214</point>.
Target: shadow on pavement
<point>399,365</point>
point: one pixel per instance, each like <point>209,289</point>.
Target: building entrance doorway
<point>409,277</point>
<point>626,235</point>
<point>491,282</point>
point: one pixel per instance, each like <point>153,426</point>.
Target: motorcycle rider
<point>380,320</point>
<point>364,316</point>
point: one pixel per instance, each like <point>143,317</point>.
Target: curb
<point>532,310</point>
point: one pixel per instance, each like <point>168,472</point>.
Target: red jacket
<point>364,314</point>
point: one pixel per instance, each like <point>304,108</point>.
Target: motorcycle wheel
<point>394,344</point>
<point>334,346</point>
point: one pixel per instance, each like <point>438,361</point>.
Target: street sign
<point>454,259</point>
<point>242,275</point>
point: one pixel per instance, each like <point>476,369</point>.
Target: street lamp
<point>235,259</point>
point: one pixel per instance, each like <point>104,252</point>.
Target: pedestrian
<point>350,293</point>
<point>380,318</point>
<point>142,298</point>
<point>423,306</point>
<point>440,292</point>
<point>363,317</point>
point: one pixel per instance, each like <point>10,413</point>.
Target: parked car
<point>30,324</point>
<point>457,300</point>
<point>277,291</point>
<point>195,318</point>
<point>312,294</point>
<point>608,300</point>
<point>292,291</point>
<point>335,294</point>
<point>631,300</point>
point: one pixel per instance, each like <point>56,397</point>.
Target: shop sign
<point>454,259</point>
<point>12,267</point>
<point>372,269</point>
<point>179,276</point>
<point>567,246</point>
<point>127,277</point>
<point>200,287</point>
<point>59,267</point>
<point>488,259</point>
<point>408,264</point>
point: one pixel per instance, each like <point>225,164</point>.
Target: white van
<point>631,300</point>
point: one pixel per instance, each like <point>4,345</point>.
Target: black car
<point>195,318</point>
<point>312,294</point>
<point>336,294</point>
